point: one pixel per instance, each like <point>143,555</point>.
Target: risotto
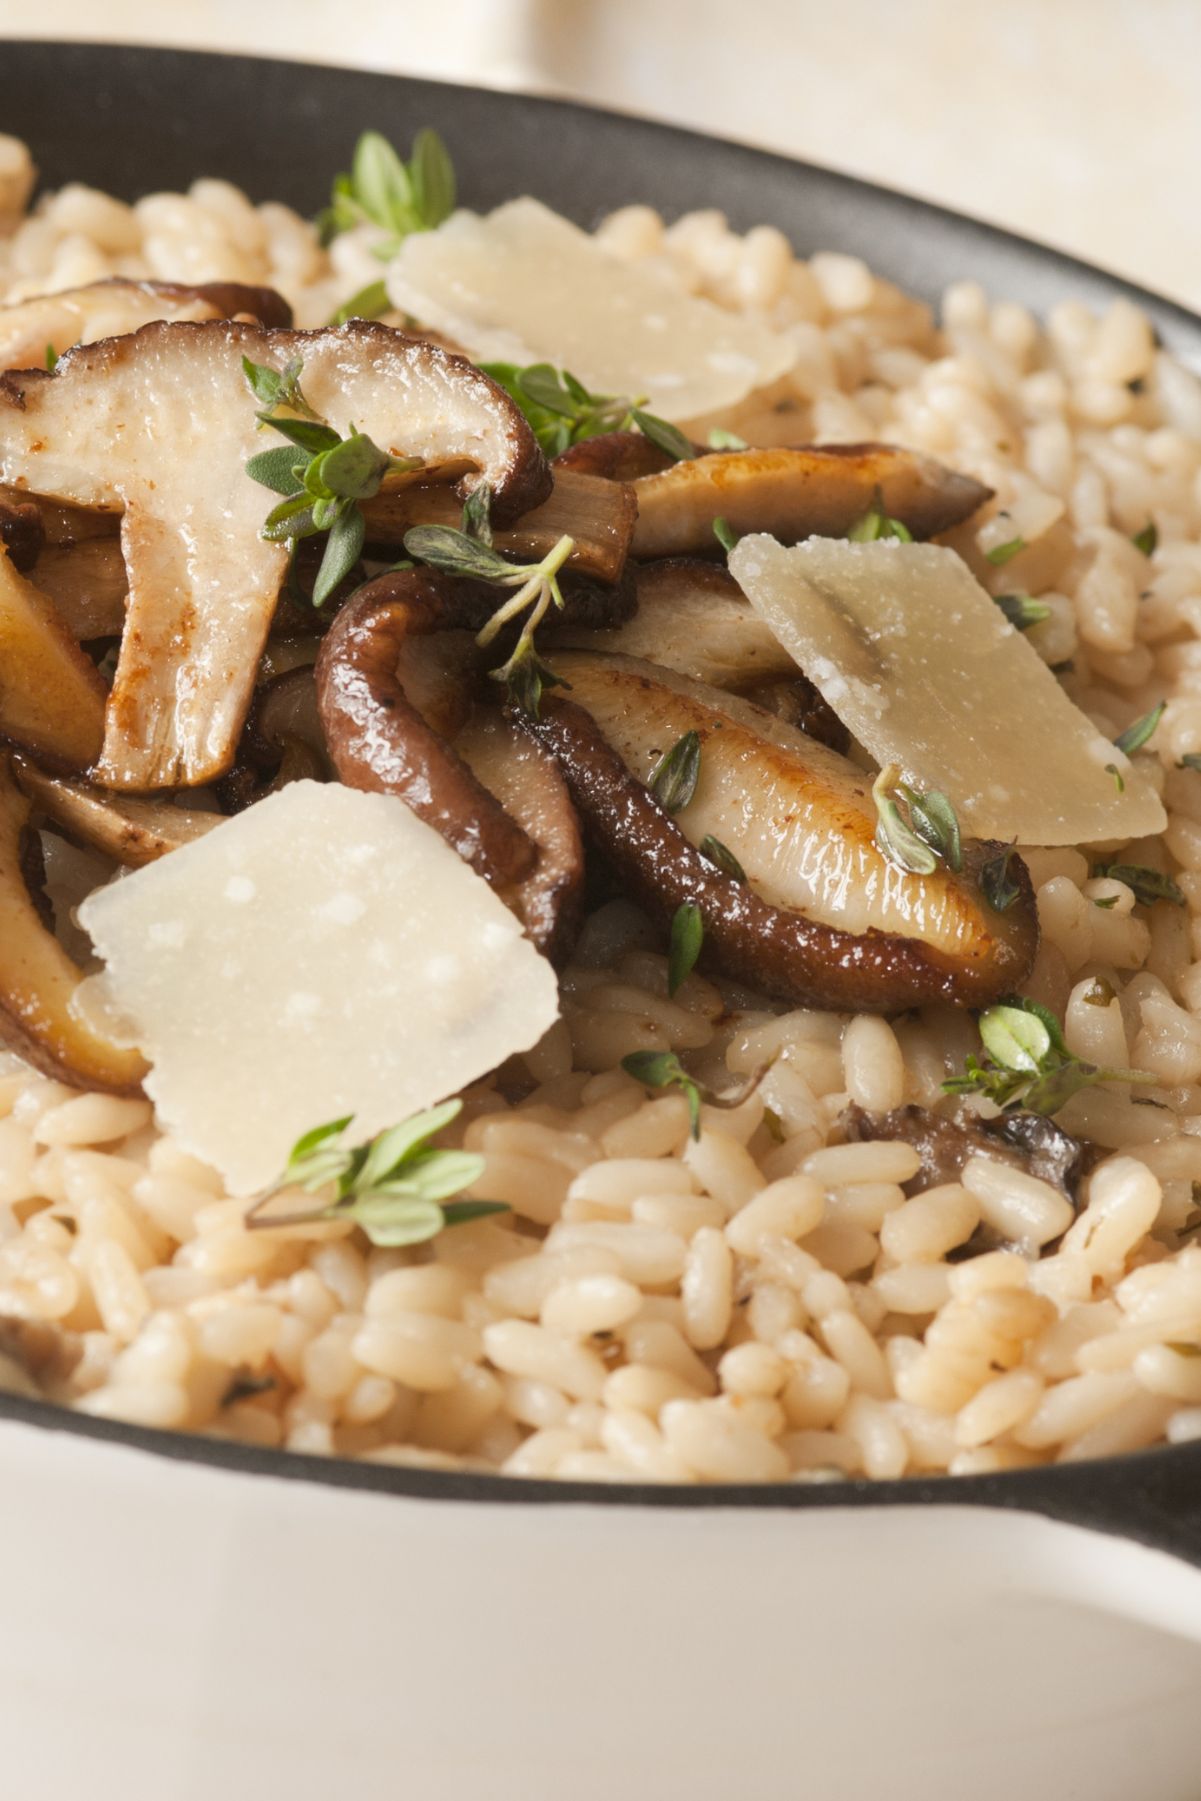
<point>731,1248</point>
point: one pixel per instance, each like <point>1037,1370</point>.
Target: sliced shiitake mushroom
<point>159,424</point>
<point>823,917</point>
<point>388,711</point>
<point>38,980</point>
<point>795,493</point>
<point>128,830</point>
<point>88,585</point>
<point>51,698</point>
<point>283,741</point>
<point>106,309</point>
<point>617,456</point>
<point>598,516</point>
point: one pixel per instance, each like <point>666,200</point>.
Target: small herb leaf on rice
<point>1148,539</point>
<point>726,440</point>
<point>477,515</point>
<point>663,1069</point>
<point>1004,553</point>
<point>1190,760</point>
<point>687,937</point>
<point>1027,1062</point>
<point>1119,780</point>
<point>674,778</point>
<point>381,189</point>
<point>562,412</point>
<point>393,1187</point>
<point>1146,885</point>
<point>1022,610</point>
<point>1142,731</point>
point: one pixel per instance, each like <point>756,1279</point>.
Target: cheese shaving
<point>523,285</point>
<point>324,953</point>
<point>922,666</point>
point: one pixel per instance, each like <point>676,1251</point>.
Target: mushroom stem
<point>379,741</point>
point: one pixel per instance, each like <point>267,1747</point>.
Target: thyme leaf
<point>1002,553</point>
<point>721,857</point>
<point>687,936</point>
<point>1146,885</point>
<point>663,1069</point>
<point>674,777</point>
<point>998,886</point>
<point>1022,610</point>
<point>726,440</point>
<point>926,834</point>
<point>725,534</point>
<point>382,190</point>
<point>393,1187</point>
<point>371,302</point>
<point>1148,539</point>
<point>562,412</point>
<point>1027,1063</point>
<point>1142,731</point>
<point>876,523</point>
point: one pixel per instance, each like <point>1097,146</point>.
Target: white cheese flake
<point>323,953</point>
<point>524,285</point>
<point>920,664</point>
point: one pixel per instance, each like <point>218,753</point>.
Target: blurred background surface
<point>1073,121</point>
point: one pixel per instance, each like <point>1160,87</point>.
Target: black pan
<point>127,119</point>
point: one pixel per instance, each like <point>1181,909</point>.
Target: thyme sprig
<point>1027,1062</point>
<point>674,778</point>
<point>537,589</point>
<point>381,189</point>
<point>397,1187</point>
<point>1142,731</point>
<point>687,937</point>
<point>562,412</point>
<point>876,523</point>
<point>321,475</point>
<point>922,836</point>
<point>663,1069</point>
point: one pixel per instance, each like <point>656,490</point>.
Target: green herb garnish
<point>928,836</point>
<point>1107,903</point>
<point>477,515</point>
<point>726,440</point>
<point>401,198</point>
<point>1146,885</point>
<point>537,584</point>
<point>876,523</point>
<point>721,857</point>
<point>998,886</point>
<point>395,1187</point>
<point>1027,1062</point>
<point>1022,610</point>
<point>51,358</point>
<point>562,412</point>
<point>725,534</point>
<point>1138,734</point>
<point>1119,780</point>
<point>321,475</point>
<point>1190,760</point>
<point>370,302</point>
<point>687,936</point>
<point>1001,553</point>
<point>673,779</point>
<point>1148,539</point>
<point>663,1069</point>
<point>1099,993</point>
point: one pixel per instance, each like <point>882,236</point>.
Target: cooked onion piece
<point>793,493</point>
<point>923,667</point>
<point>51,698</point>
<point>38,980</point>
<point>107,309</point>
<point>160,424</point>
<point>825,918</point>
<point>130,831</point>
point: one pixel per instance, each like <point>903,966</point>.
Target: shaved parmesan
<point>922,666</point>
<point>523,285</point>
<point>324,953</point>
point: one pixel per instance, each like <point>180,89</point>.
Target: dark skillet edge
<point>1151,1497</point>
<point>902,236</point>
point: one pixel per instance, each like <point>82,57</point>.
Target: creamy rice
<point>765,1304</point>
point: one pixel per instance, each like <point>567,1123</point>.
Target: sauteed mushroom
<point>823,918</point>
<point>107,309</point>
<point>502,808</point>
<point>51,698</point>
<point>202,580</point>
<point>129,831</point>
<point>38,979</point>
<point>794,493</point>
